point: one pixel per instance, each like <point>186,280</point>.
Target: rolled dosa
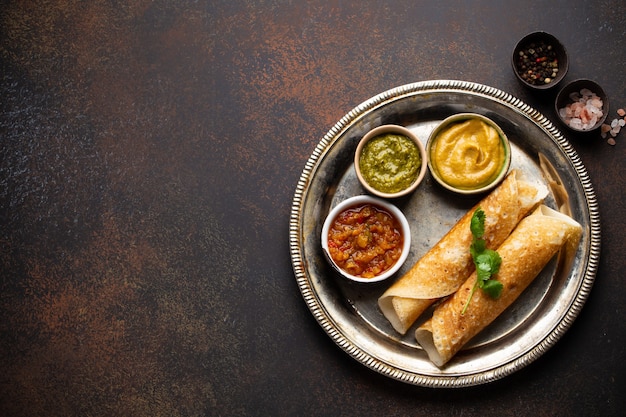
<point>447,265</point>
<point>529,248</point>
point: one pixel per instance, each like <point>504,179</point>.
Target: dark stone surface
<point>149,152</point>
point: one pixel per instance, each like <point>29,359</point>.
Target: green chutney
<point>390,162</point>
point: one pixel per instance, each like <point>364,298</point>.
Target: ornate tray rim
<point>320,313</point>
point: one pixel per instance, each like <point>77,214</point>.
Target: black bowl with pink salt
<point>582,105</point>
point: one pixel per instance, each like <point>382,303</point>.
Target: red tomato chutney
<point>365,240</point>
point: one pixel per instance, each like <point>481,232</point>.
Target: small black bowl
<point>546,49</point>
<point>575,87</point>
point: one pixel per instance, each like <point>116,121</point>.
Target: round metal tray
<point>349,313</point>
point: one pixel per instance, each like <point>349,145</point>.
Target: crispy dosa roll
<point>447,265</point>
<point>529,248</point>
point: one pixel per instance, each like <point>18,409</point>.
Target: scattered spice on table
<point>537,63</point>
<point>612,129</point>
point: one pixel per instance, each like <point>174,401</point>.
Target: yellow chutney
<point>468,155</point>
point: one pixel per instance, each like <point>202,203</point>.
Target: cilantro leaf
<point>483,273</point>
<point>493,288</point>
<point>486,261</point>
<point>477,246</point>
<point>477,224</point>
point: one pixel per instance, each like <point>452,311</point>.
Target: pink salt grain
<point>616,126</point>
<point>621,112</point>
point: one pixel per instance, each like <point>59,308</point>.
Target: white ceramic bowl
<point>386,206</point>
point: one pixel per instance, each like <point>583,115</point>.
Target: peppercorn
<point>537,63</point>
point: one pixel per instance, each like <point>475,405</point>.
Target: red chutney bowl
<point>354,227</point>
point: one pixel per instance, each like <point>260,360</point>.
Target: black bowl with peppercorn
<point>540,61</point>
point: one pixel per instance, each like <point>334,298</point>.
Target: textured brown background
<point>149,154</point>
